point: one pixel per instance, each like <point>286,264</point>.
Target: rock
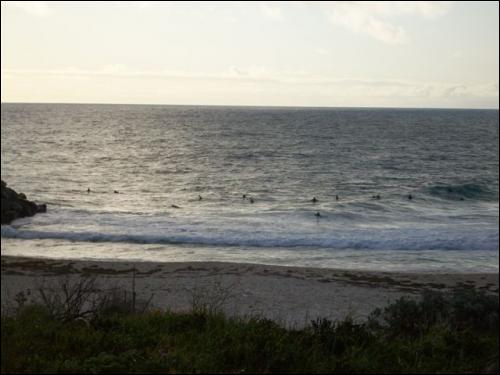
<point>15,206</point>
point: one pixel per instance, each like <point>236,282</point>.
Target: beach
<point>291,296</point>
<point>249,188</point>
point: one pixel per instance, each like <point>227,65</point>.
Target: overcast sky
<point>356,54</point>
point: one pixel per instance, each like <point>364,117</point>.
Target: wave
<point>463,191</point>
<point>361,239</point>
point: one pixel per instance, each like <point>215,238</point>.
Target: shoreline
<point>290,295</point>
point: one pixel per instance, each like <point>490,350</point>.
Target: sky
<point>320,54</point>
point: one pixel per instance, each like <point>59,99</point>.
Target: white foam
<point>379,239</point>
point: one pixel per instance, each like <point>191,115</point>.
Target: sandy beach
<point>289,295</point>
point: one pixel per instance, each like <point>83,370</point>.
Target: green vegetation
<point>453,332</point>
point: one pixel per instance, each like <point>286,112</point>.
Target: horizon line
<point>256,106</point>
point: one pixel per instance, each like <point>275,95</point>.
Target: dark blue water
<point>157,156</point>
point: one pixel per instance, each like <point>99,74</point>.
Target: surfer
<point>314,200</point>
<point>336,197</point>
<point>88,190</point>
<point>116,192</point>
<point>317,214</point>
<point>251,200</point>
<point>410,197</point>
<point>200,197</point>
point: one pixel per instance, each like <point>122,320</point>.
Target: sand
<point>291,296</point>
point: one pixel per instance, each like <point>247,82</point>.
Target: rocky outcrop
<point>15,206</point>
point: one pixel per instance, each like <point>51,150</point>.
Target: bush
<point>462,309</point>
<point>438,333</point>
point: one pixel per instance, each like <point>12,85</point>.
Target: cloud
<point>236,86</point>
<point>271,11</point>
<point>287,79</point>
<point>428,9</point>
<point>322,51</point>
<point>360,19</point>
<point>425,9</point>
<point>34,8</point>
<point>414,89</point>
<point>371,17</point>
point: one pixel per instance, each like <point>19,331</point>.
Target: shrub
<point>450,333</point>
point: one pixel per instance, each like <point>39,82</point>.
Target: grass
<point>452,333</point>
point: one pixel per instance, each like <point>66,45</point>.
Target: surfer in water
<point>410,197</point>
<point>314,200</point>
<point>336,197</point>
<point>251,200</point>
<point>200,197</point>
<point>317,214</point>
<point>88,190</point>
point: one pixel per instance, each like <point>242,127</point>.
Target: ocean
<point>162,159</point>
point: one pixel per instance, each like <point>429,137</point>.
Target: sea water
<point>180,174</point>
